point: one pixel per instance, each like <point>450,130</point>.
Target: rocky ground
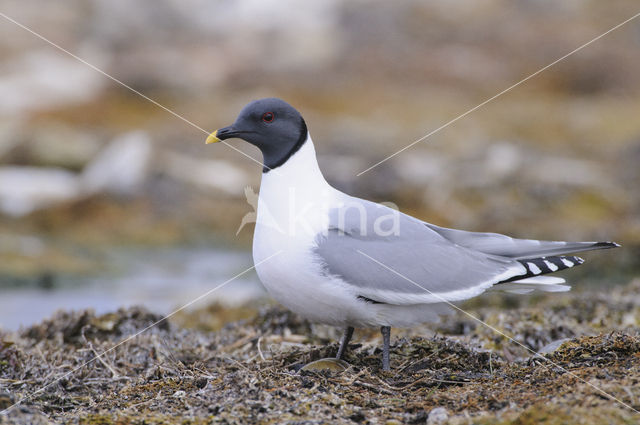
<point>216,365</point>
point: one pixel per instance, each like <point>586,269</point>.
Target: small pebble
<point>437,416</point>
<point>553,346</point>
<point>179,394</point>
<point>330,364</point>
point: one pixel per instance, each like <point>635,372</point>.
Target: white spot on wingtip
<point>551,266</point>
<point>567,262</point>
<point>534,269</point>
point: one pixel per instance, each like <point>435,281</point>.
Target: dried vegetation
<point>156,371</point>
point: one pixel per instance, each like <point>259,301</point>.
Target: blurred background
<point>108,200</point>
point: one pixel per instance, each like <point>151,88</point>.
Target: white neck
<point>300,171</point>
<point>295,197</point>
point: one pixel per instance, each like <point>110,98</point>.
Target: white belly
<point>291,279</point>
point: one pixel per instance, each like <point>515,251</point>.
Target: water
<point>161,280</point>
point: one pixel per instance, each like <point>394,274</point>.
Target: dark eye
<point>268,117</point>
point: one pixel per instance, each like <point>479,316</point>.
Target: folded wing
<point>502,245</point>
<point>411,265</point>
<point>417,262</point>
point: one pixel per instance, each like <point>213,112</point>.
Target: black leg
<point>386,337</point>
<point>346,337</point>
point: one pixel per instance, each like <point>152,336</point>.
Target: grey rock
<point>44,79</point>
<point>25,189</point>
<point>121,168</point>
<point>208,173</point>
<point>57,144</point>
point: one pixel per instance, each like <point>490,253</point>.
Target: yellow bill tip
<point>213,138</point>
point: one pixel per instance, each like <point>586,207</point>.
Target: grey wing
<point>519,249</point>
<point>389,257</point>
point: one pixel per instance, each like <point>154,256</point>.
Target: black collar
<point>304,134</point>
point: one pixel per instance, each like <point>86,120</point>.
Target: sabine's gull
<point>349,262</point>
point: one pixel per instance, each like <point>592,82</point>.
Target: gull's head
<point>272,125</point>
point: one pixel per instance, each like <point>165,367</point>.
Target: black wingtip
<point>606,245</point>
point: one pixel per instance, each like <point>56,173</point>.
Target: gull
<point>349,262</point>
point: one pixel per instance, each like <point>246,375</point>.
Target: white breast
<point>294,202</point>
